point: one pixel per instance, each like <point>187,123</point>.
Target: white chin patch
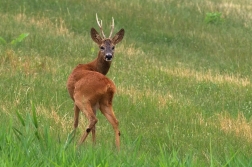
<point>107,59</point>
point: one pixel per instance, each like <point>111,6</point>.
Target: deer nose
<point>108,57</point>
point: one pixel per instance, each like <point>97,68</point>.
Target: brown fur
<point>94,91</point>
<point>90,89</point>
<point>99,64</point>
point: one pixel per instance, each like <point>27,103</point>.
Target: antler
<point>100,25</point>
<point>112,28</point>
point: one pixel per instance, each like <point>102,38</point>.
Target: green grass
<point>184,92</point>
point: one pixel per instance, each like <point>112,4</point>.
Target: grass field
<point>183,77</point>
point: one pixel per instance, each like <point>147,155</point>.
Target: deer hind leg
<point>108,112</point>
<point>87,110</point>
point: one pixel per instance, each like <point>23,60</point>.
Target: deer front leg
<point>93,135</point>
<point>76,118</point>
<point>94,129</point>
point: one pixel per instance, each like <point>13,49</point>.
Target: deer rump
<point>91,92</point>
<point>93,87</point>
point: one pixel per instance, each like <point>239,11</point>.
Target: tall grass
<point>183,83</point>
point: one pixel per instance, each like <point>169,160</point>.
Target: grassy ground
<point>183,77</point>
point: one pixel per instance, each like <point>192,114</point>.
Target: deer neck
<point>102,66</point>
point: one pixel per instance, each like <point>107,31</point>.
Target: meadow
<point>182,72</point>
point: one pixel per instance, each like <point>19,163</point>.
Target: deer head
<point>106,45</point>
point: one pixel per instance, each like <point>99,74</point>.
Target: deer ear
<point>118,37</point>
<point>95,36</point>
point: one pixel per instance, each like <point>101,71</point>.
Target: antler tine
<point>112,28</point>
<point>100,25</point>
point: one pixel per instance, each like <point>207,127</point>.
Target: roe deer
<point>90,89</point>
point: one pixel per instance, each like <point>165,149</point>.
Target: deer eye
<point>102,48</point>
<point>113,48</point>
